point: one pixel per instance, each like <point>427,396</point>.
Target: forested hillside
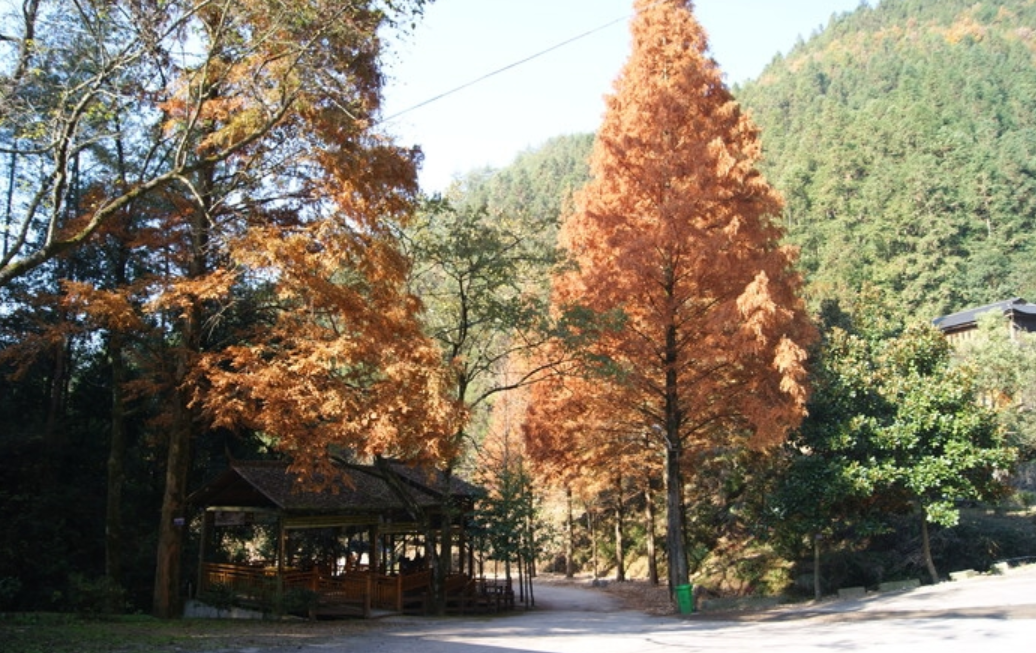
<point>904,140</point>
<point>537,186</point>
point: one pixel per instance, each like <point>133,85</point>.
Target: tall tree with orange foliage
<point>675,232</point>
<point>260,206</point>
<point>303,217</point>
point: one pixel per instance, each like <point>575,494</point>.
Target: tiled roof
<point>434,480</point>
<point>357,489</point>
<point>970,316</point>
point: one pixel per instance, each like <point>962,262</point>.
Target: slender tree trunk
<point>57,390</point>
<point>817,592</point>
<point>649,530</point>
<point>116,463</point>
<point>679,574</point>
<point>167,599</point>
<point>591,523</point>
<point>167,603</point>
<point>54,435</point>
<point>926,547</point>
<point>570,536</point>
<point>519,560</point>
<point>445,562</point>
<point>620,544</point>
<point>12,178</point>
<point>116,359</point>
<point>530,550</point>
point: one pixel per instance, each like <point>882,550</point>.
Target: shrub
<point>220,596</point>
<point>96,596</point>
<point>299,601</point>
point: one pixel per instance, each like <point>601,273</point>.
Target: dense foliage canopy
<point>894,427</point>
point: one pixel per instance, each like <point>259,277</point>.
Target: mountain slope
<point>904,140</point>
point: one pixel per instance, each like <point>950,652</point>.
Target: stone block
<point>899,585</point>
<point>748,603</point>
<point>852,592</point>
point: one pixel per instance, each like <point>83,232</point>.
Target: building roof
<point>356,489</point>
<point>1015,306</point>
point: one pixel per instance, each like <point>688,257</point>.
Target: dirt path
<point>570,597</point>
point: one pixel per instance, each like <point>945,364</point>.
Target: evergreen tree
<point>893,428</point>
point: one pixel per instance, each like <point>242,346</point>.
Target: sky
<point>490,122</point>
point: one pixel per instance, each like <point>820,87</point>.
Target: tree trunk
<point>12,178</point>
<point>570,537</point>
<point>116,463</point>
<point>530,566</point>
<point>679,574</point>
<point>171,529</point>
<point>592,527</point>
<point>54,430</point>
<point>620,544</point>
<point>442,571</point>
<point>927,548</point>
<point>817,592</point>
<point>649,530</point>
<point>167,600</point>
<point>116,359</point>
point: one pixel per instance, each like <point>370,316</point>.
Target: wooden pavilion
<point>356,546</point>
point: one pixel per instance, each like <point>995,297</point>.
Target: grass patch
<point>65,633</point>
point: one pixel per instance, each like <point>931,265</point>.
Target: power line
<point>507,67</point>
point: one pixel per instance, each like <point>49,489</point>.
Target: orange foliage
<point>107,309</point>
<point>676,230</point>
<point>342,362</point>
<point>334,358</point>
<point>581,433</point>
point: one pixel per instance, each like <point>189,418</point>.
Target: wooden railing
<point>359,590</point>
<point>363,589</point>
<point>349,590</point>
<point>494,594</point>
<point>417,581</point>
<point>248,584</point>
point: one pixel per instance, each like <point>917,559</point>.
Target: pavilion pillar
<point>471,549</point>
<point>372,569</point>
<point>282,545</point>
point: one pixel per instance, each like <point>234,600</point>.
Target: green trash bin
<point>685,598</point>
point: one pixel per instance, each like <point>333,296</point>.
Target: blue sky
<point>561,92</point>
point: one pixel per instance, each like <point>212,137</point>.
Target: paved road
<point>978,615</point>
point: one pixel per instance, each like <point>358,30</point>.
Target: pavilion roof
<point>357,489</point>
